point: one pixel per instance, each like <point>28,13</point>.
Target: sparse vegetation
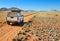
<point>45,28</point>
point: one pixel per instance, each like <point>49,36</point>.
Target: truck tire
<point>8,23</point>
<point>21,23</point>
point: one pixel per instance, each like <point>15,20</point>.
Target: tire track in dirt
<point>27,18</point>
<point>15,29</point>
<point>8,36</point>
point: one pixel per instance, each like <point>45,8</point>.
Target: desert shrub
<point>0,22</point>
<point>56,15</point>
<point>15,38</point>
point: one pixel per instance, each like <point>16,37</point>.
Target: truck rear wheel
<point>8,23</point>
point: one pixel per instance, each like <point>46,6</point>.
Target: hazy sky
<point>31,4</point>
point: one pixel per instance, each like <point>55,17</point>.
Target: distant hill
<point>3,9</point>
<point>42,11</point>
<point>11,9</point>
<point>55,10</point>
<point>30,11</point>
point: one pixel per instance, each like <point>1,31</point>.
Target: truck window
<point>19,14</point>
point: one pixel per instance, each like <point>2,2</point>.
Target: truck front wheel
<point>21,23</point>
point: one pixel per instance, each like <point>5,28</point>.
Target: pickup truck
<point>14,17</point>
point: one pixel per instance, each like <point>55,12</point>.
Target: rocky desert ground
<point>39,26</point>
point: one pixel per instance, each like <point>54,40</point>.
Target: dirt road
<point>7,32</point>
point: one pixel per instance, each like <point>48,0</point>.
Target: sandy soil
<point>8,32</point>
<point>45,26</point>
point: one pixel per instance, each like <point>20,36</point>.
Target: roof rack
<point>15,10</point>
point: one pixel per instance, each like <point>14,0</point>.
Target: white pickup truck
<point>14,17</point>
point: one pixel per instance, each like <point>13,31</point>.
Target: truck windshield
<point>19,14</point>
